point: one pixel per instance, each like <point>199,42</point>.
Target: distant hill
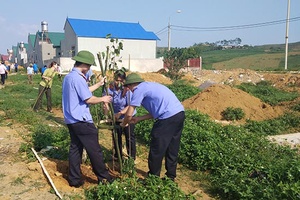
<point>292,46</point>
<point>263,57</point>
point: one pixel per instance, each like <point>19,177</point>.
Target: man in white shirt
<point>30,72</point>
<point>3,70</point>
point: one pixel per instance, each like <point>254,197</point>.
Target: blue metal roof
<point>120,30</point>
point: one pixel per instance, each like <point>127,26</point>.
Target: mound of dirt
<point>149,76</point>
<point>216,98</point>
<point>233,77</point>
<point>288,81</point>
<point>156,77</point>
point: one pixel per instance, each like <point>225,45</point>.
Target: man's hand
<point>101,80</point>
<point>123,125</point>
<point>106,99</point>
<point>118,115</point>
<point>134,120</point>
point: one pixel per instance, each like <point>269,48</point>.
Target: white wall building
<point>22,54</point>
<point>139,45</point>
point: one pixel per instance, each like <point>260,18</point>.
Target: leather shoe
<point>105,181</point>
<point>77,185</point>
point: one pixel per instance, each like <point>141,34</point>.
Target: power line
<point>162,30</point>
<point>160,33</point>
<point>226,28</point>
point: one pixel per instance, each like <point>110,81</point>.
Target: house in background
<point>14,54</point>
<point>30,51</point>
<point>4,58</point>
<point>21,54</point>
<point>44,46</point>
<point>139,45</point>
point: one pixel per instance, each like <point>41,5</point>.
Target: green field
<point>256,58</point>
<point>264,58</point>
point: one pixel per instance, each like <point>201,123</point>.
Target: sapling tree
<point>108,62</point>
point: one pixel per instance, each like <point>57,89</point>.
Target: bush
<point>242,164</point>
<point>133,188</point>
<point>267,93</point>
<point>44,136</point>
<point>183,90</point>
<point>232,114</point>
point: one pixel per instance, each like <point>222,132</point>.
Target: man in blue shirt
<point>76,98</point>
<point>168,113</point>
<point>35,68</point>
<point>16,67</point>
<point>43,69</point>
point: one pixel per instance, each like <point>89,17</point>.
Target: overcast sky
<point>255,22</point>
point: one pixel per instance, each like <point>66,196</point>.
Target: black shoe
<point>168,178</point>
<point>77,185</point>
<point>141,181</point>
<point>105,181</point>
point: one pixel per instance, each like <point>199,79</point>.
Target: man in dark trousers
<point>168,113</point>
<point>76,98</point>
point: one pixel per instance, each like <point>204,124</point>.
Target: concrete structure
<point>21,56</point>
<point>44,46</point>
<point>13,58</point>
<point>139,45</point>
<point>30,51</point>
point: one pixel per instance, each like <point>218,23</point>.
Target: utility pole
<point>169,31</point>
<point>287,35</point>
<point>169,35</point>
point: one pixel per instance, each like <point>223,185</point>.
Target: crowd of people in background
<point>31,70</point>
<point>5,69</point>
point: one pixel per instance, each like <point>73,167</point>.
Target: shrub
<point>44,136</point>
<point>280,125</point>
<point>267,93</point>
<point>133,188</point>
<point>242,164</point>
<point>183,90</point>
<point>232,114</point>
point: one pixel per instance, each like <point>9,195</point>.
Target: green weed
<point>267,93</point>
<point>2,176</point>
<point>18,181</point>
<point>133,188</point>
